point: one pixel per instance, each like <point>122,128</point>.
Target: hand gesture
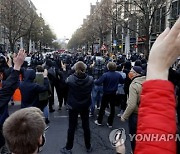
<point>19,59</point>
<point>164,52</point>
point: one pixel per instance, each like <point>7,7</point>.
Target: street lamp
<point>127,38</point>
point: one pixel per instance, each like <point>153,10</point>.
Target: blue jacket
<point>8,88</point>
<point>30,90</point>
<point>110,81</point>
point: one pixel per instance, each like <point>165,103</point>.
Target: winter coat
<point>8,88</point>
<point>40,80</point>
<point>134,96</point>
<point>157,116</point>
<point>30,90</point>
<point>79,94</point>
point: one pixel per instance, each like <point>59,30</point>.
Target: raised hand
<point>19,59</point>
<point>164,52</point>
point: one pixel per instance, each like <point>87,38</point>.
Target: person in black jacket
<point>79,101</point>
<point>30,90</point>
<point>8,88</point>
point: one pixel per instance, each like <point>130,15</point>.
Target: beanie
<point>138,69</point>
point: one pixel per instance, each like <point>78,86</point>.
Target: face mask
<point>40,146</point>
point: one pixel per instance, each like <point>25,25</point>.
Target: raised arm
<point>11,83</point>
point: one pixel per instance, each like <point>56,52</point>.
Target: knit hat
<point>138,69</point>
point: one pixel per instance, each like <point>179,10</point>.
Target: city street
<point>57,133</point>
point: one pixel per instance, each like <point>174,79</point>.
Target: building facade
<point>26,6</point>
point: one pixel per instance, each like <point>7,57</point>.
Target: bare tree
<point>149,14</point>
<point>17,17</point>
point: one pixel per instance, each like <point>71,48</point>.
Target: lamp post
<point>4,38</point>
<point>127,38</point>
<point>137,35</point>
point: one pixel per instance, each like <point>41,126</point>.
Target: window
<point>175,9</point>
<point>163,18</point>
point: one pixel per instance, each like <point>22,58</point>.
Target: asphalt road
<point>57,133</point>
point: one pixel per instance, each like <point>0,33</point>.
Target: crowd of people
<point>85,83</point>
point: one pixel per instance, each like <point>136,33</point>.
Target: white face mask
<point>40,146</point>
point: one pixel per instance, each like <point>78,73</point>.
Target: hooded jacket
<point>30,90</point>
<point>79,94</point>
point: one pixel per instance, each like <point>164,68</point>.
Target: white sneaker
<point>91,115</point>
<point>120,114</point>
<point>110,126</point>
<point>97,123</point>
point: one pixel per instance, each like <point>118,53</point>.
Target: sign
<point>142,39</point>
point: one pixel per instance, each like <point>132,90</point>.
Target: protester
<point>8,88</point>
<point>120,93</point>
<point>79,101</point>
<point>133,101</point>
<point>97,91</point>
<point>54,80</point>
<point>44,96</point>
<point>157,108</point>
<point>30,90</point>
<point>110,81</point>
<point>23,131</point>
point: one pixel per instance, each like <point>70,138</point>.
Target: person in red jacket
<point>157,114</point>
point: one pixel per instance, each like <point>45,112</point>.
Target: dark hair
<point>39,68</point>
<point>127,65</point>
<point>138,63</point>
<point>119,67</point>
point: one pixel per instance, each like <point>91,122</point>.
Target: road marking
<point>61,116</point>
<point>64,116</point>
<point>107,113</point>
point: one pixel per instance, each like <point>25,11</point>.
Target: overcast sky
<point>64,16</point>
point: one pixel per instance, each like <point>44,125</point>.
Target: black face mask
<point>40,146</point>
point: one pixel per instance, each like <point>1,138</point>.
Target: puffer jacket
<point>157,115</point>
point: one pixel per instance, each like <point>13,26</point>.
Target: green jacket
<point>40,80</point>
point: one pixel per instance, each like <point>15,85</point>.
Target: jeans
<point>106,99</point>
<point>73,118</point>
<point>133,128</point>
<point>46,112</point>
<point>96,97</point>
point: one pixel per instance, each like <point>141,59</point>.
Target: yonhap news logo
<point>117,137</point>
